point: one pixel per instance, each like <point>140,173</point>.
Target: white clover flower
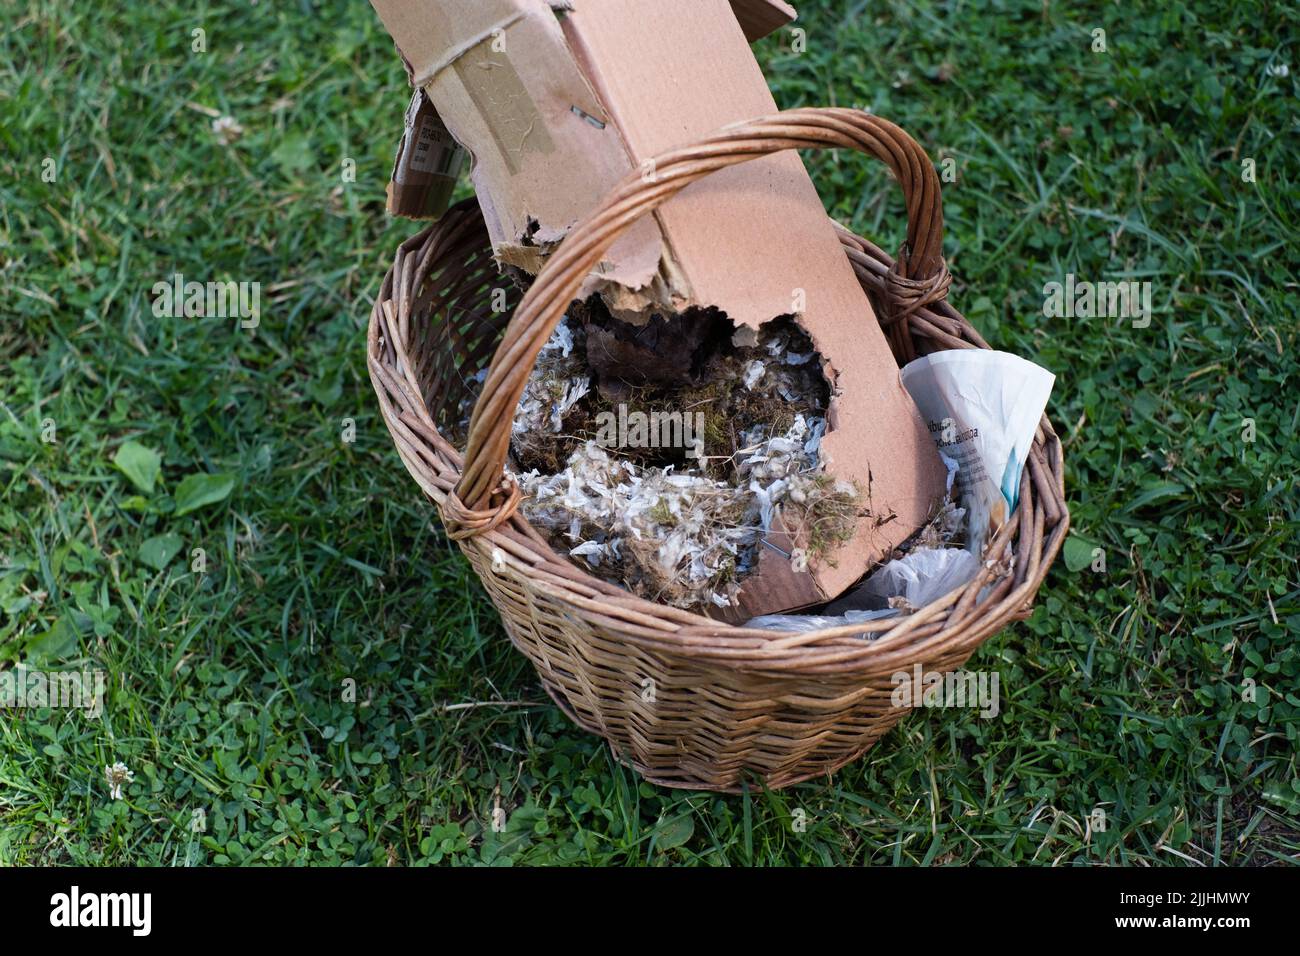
<point>227,129</point>
<point>117,776</point>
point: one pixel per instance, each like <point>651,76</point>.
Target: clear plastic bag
<point>911,582</point>
<point>906,584</point>
<point>816,622</point>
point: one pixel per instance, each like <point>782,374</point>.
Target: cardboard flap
<point>758,18</point>
<point>502,77</point>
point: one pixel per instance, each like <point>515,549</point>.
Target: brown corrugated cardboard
<point>557,101</point>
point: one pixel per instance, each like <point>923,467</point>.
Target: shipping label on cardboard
<point>429,160</point>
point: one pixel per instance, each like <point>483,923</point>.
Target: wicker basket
<point>685,700</point>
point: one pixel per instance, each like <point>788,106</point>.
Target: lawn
<point>1158,680</point>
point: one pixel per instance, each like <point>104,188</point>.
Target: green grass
<point>1124,690</point>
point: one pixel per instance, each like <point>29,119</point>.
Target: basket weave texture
<point>685,700</point>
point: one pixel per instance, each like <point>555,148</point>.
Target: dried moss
<point>828,517</point>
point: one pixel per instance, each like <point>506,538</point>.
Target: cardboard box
<point>556,101</point>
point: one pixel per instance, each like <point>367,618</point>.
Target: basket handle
<point>484,499</point>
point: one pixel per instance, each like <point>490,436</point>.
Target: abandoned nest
<point>660,454</point>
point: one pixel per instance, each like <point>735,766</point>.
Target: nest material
<point>679,523</point>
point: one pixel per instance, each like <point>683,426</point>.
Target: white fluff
<point>698,533</point>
